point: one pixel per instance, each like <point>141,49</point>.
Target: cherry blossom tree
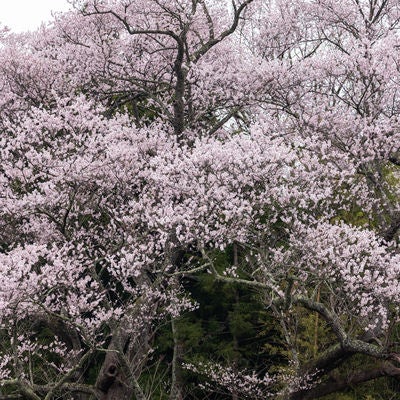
<point>336,102</point>
<point>84,258</point>
<point>140,140</point>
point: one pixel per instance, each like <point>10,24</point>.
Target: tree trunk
<point>177,381</point>
<point>114,380</point>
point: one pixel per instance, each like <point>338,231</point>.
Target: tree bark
<point>344,382</point>
<point>113,379</point>
<point>177,381</point>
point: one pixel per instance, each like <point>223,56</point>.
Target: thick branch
<point>344,382</point>
<point>69,387</point>
<point>390,233</point>
<point>347,343</point>
<point>327,360</point>
<point>395,160</point>
<point>23,388</point>
<point>179,104</point>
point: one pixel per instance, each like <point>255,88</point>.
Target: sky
<point>24,15</point>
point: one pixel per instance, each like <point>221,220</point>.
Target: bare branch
<point>213,41</point>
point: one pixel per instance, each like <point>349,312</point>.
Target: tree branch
<point>213,41</point>
<point>347,343</point>
<point>334,385</point>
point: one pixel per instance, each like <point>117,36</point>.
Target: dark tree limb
<point>334,385</point>
<point>395,160</point>
<point>390,233</point>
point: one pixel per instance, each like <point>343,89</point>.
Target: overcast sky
<point>24,15</point>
